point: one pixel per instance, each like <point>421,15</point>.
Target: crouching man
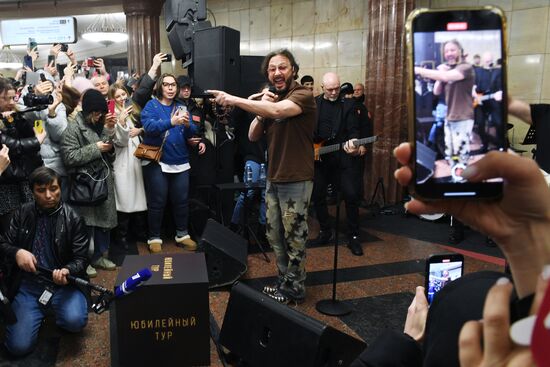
<point>50,234</point>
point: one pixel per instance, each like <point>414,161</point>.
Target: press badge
<point>45,298</point>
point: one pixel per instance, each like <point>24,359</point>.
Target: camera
<point>32,100</point>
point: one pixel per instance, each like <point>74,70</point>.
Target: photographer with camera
<point>23,142</point>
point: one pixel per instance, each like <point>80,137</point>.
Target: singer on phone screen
<point>285,114</point>
<point>456,79</point>
<point>51,234</point>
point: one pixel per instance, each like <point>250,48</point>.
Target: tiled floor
<point>391,264</point>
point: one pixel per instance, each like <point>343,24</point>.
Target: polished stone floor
<point>392,265</point>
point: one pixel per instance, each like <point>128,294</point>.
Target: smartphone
<point>111,106</point>
<point>39,126</point>
<point>64,47</point>
<point>42,77</point>
<point>27,61</point>
<point>120,74</point>
<point>51,58</point>
<point>448,128</point>
<point>90,62</point>
<point>32,44</point>
<point>127,103</point>
<point>440,271</point>
<point>168,58</point>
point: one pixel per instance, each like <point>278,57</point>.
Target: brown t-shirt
<point>459,94</point>
<point>290,140</point>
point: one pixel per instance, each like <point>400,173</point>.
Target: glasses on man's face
<point>168,85</point>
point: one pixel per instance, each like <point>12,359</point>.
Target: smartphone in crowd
<point>168,58</point>
<point>32,44</point>
<point>51,60</point>
<point>27,61</point>
<point>39,126</point>
<point>64,47</point>
<point>127,103</point>
<point>90,62</point>
<point>440,271</point>
<point>457,98</point>
<point>111,106</point>
<point>42,77</point>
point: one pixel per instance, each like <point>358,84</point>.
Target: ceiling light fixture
<point>8,60</point>
<point>105,29</point>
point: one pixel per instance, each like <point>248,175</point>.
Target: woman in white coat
<point>129,188</point>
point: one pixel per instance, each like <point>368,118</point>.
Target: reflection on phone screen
<point>459,103</point>
<point>441,274</point>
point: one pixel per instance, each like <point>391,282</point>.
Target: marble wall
<point>528,51</point>
<point>324,35</point>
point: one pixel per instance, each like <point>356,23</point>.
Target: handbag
<point>151,152</point>
<point>87,190</point>
<point>148,152</point>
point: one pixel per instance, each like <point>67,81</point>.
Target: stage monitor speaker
<point>216,59</point>
<point>226,254</point>
<point>263,332</point>
<point>252,78</point>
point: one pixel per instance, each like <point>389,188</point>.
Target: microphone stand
<point>333,306</point>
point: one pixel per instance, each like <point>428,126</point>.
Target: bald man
<point>337,123</point>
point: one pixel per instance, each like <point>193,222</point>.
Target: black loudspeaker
<point>252,78</point>
<point>226,254</point>
<point>262,332</point>
<point>216,59</point>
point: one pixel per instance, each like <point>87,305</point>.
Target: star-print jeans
<point>286,231</point>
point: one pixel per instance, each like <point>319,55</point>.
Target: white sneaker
<point>90,270</point>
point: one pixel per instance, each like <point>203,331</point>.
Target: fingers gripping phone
<point>457,105</point>
<point>440,271</point>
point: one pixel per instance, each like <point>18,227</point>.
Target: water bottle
<point>248,175</point>
<point>262,174</point>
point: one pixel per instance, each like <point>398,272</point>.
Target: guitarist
<point>337,122</point>
<point>488,96</point>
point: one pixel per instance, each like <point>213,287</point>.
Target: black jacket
<point>70,241</point>
<point>24,154</point>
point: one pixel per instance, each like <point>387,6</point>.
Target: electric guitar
<point>319,149</point>
<point>480,98</point>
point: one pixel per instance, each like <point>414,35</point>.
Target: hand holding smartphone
<point>442,46</point>
<point>440,271</point>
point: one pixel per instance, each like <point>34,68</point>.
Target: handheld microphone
<point>133,282</point>
<point>272,89</point>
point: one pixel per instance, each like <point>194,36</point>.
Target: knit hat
<point>183,80</point>
<point>82,84</point>
<point>93,101</point>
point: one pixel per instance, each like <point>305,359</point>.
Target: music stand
<point>243,188</point>
<point>530,137</point>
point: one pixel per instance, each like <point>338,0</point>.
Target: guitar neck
<point>356,143</point>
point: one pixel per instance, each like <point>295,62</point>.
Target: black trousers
<point>346,175</point>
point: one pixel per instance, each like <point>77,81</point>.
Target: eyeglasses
<point>169,84</point>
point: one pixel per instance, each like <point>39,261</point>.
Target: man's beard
<point>288,82</point>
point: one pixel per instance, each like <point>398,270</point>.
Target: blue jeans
<point>236,218</point>
<point>161,187</point>
<point>69,306</point>
<point>101,238</point>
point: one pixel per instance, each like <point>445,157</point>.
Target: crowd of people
<point>46,225</point>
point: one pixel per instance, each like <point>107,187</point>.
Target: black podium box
<point>165,322</point>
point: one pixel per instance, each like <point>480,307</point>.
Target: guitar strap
<point>337,122</point>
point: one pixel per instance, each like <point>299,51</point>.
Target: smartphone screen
<point>51,60</point>
<point>32,44</point>
<point>457,97</point>
<point>440,271</point>
<point>111,106</point>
